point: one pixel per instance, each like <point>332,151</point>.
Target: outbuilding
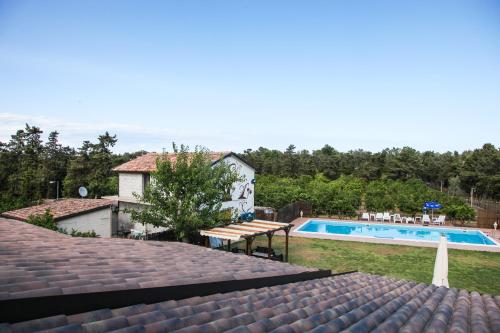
<point>83,215</point>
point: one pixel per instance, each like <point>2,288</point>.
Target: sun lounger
<point>439,220</point>
<point>426,220</point>
<point>409,219</point>
<point>397,218</point>
<point>387,217</point>
<point>365,216</point>
<point>379,217</point>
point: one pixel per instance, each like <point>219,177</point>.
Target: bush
<point>461,212</point>
<point>45,220</point>
<point>77,233</point>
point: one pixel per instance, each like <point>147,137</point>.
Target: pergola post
<point>249,245</point>
<point>269,243</point>
<point>228,245</point>
<point>207,241</point>
<point>287,231</point>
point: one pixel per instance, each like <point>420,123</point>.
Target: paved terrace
<point>38,262</point>
<point>300,221</point>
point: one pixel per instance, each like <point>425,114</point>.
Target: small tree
<point>186,195</point>
<point>463,213</point>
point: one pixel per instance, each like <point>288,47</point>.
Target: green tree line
<point>30,168</point>
<point>456,172</point>
<point>347,195</point>
<point>28,165</point>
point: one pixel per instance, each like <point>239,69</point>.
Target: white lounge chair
<point>426,220</point>
<point>379,217</point>
<point>365,216</point>
<point>397,218</point>
<point>387,217</point>
<point>439,220</point>
<point>409,219</point>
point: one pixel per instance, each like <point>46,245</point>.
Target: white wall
<point>243,192</point>
<point>125,223</point>
<point>128,183</point>
<point>99,221</point>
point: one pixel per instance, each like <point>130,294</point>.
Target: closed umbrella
<point>440,277</point>
<point>432,205</point>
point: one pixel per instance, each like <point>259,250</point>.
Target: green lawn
<point>471,270</point>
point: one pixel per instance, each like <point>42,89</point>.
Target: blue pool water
<point>472,237</point>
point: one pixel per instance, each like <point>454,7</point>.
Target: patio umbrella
<point>440,277</point>
<point>432,205</point>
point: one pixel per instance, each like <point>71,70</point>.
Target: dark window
<point>146,178</point>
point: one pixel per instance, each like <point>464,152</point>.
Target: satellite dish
<point>83,191</point>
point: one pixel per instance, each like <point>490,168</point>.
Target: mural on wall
<point>245,191</point>
<point>245,207</point>
<point>241,194</point>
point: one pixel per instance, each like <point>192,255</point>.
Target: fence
<point>488,212</point>
<point>291,211</point>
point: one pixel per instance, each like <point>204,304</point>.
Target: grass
<point>471,270</point>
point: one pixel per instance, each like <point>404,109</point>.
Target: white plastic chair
<point>379,217</point>
<point>397,218</point>
<point>439,220</point>
<point>409,219</point>
<point>426,220</point>
<point>365,216</point>
<point>387,217</point>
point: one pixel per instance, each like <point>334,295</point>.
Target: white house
<point>83,215</point>
<point>134,176</point>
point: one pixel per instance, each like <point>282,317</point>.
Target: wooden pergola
<point>248,231</point>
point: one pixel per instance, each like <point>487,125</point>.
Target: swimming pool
<point>388,231</point>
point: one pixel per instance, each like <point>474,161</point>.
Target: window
<point>146,178</point>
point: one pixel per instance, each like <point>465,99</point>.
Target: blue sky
<point>232,75</point>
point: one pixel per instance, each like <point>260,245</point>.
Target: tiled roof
<point>39,262</point>
<point>147,162</point>
<point>60,209</point>
<point>349,303</point>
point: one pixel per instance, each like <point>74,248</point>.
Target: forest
<point>396,178</point>
<point>31,170</point>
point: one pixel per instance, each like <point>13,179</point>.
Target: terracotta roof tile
<point>60,209</point>
<point>147,162</point>
<point>44,262</point>
<point>353,302</point>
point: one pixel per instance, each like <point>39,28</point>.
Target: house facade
<point>135,175</point>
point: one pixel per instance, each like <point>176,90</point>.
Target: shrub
<point>45,220</point>
<point>461,212</point>
<point>77,233</point>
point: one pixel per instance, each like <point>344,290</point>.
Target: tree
<point>78,170</point>
<point>92,168</point>
<point>187,195</point>
<point>462,213</point>
<point>481,170</point>
<point>100,155</point>
<point>55,161</point>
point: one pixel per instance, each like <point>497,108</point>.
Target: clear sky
<point>232,75</point>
